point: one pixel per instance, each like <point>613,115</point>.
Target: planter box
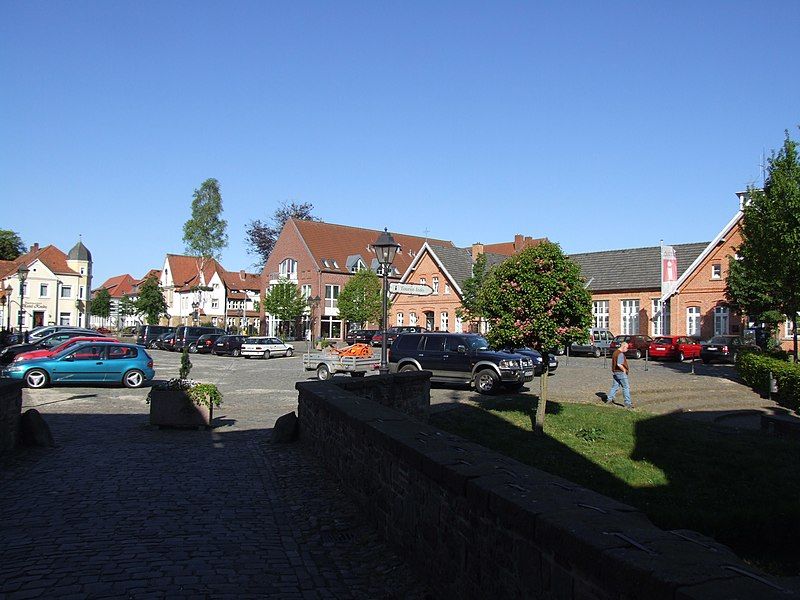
<point>174,408</point>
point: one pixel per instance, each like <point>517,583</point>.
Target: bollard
<point>646,355</point>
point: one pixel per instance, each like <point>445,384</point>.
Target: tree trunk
<point>541,406</point>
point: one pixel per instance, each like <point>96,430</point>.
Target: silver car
<point>265,347</point>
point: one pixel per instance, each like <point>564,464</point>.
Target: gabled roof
<point>241,280</point>
<point>155,273</point>
<point>333,244</point>
<point>118,286</point>
<point>50,256</point>
<point>633,268</point>
<point>185,271</point>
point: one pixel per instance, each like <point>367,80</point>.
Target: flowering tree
<point>536,298</point>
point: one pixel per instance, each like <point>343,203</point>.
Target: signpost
<point>413,289</point>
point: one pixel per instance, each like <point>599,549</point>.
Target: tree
<point>764,274</point>
<point>151,302</point>
<point>101,303</point>
<point>284,301</point>
<point>11,245</point>
<point>204,233</point>
<point>471,309</point>
<point>261,236</point>
<point>360,298</point>
<point>538,299</point>
<point>127,307</point>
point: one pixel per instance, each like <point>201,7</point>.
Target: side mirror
<point>69,358</point>
<point>462,349</point>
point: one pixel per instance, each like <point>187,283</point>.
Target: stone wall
<point>481,525</point>
<point>10,412</point>
<point>410,393</point>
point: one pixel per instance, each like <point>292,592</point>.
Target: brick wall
<point>10,412</point>
<point>481,525</point>
<point>410,393</point>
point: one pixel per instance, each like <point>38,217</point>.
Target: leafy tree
<point>284,301</point>
<point>127,307</point>
<point>360,298</point>
<point>536,298</point>
<point>204,233</point>
<point>151,302</point>
<point>261,236</point>
<point>101,303</point>
<point>765,276</point>
<point>471,309</point>
<point>11,245</point>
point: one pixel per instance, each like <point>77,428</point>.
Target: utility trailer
<point>326,364</point>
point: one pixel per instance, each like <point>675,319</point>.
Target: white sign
<point>415,289</point>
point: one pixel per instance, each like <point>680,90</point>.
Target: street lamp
<point>385,249</point>
<point>22,273</point>
<point>313,302</point>
<point>9,290</point>
<point>195,314</point>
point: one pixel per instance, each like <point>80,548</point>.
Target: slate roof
<point>330,242</point>
<point>80,252</point>
<point>633,268</point>
<point>457,261</point>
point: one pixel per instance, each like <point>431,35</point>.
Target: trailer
<point>326,364</point>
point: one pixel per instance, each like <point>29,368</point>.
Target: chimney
<point>242,275</point>
<point>477,250</point>
<point>519,243</point>
<point>35,247</point>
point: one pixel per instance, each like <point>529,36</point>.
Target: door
<point>118,360</point>
<point>455,364</point>
<point>433,353</point>
<point>429,320</point>
<point>85,364</point>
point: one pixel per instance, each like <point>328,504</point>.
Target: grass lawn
<point>741,488</point>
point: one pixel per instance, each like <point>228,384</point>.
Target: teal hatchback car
<point>90,362</point>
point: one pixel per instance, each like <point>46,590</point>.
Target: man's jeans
<point>620,381</point>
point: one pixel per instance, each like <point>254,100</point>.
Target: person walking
<point>619,373</point>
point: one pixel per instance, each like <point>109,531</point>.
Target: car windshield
<point>477,342</point>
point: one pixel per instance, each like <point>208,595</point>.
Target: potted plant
<point>183,402</point>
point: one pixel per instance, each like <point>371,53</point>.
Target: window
<point>305,291</point>
<point>412,318</point>
<point>716,271</point>
<point>423,281</point>
<point>444,321</point>
<point>399,320</point>
<point>117,352</point>
<point>446,288</point>
<point>66,291</point>
<point>331,327</point>
<point>721,320</point>
<point>435,283</point>
<point>459,325</point>
<point>81,290</point>
<point>660,318</point>
<point>63,319</point>
<point>630,317</point>
<point>88,353</point>
<point>288,268</point>
<point>600,314</point>
<point>42,290</point>
<point>693,320</point>
<point>789,327</point>
<point>358,266</point>
<point>331,296</point>
<point>214,303</point>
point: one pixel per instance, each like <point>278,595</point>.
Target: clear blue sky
<point>596,124</point>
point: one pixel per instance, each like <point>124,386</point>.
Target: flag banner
<point>669,270</point>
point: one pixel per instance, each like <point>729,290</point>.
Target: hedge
<point>754,369</point>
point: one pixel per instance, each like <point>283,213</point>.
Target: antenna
<point>426,231</point>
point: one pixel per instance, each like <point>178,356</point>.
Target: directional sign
<point>415,289</point>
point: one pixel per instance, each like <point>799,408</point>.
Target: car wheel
<point>192,349</point>
<point>36,378</point>
<point>681,357</point>
<point>133,378</point>
<point>236,352</point>
<point>151,345</point>
<point>323,373</point>
<point>637,354</point>
<point>289,351</point>
<point>597,353</point>
<point>408,369</point>
<point>486,381</point>
<point>266,353</point>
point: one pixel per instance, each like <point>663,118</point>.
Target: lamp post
<point>195,315</point>
<point>9,290</point>
<point>385,250</point>
<point>22,273</point>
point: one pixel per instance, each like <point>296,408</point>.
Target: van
<point>147,334</point>
<point>598,344</point>
<point>186,334</point>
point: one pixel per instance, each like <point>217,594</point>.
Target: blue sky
<point>596,124</point>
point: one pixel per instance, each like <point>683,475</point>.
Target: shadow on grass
<point>740,487</point>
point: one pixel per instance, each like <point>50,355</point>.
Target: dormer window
<point>335,265</point>
<point>358,266</point>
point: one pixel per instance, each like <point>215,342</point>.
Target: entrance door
<point>429,320</point>
<point>38,318</point>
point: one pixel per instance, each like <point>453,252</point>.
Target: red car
<point>48,352</point>
<point>675,347</point>
<point>637,344</point>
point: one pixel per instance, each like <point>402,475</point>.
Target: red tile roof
<point>53,258</point>
<point>185,270</point>
<point>330,242</point>
<point>240,280</point>
<point>118,286</point>
<point>510,248</point>
<point>151,273</point>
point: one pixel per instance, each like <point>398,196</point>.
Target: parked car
<point>674,347</point>
<point>204,344</point>
<point>129,331</point>
<point>43,332</point>
<point>393,332</point>
<point>638,345</point>
<point>229,345</point>
<point>538,361</point>
<point>599,341</point>
<point>360,336</point>
<point>186,334</point>
<point>460,358</point>
<point>51,341</point>
<point>725,348</point>
<point>147,334</point>
<point>166,341</point>
<point>47,352</point>
<point>104,330</point>
<point>89,362</point>
<point>265,347</point>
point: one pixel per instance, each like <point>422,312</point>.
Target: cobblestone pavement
<point>120,510</point>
